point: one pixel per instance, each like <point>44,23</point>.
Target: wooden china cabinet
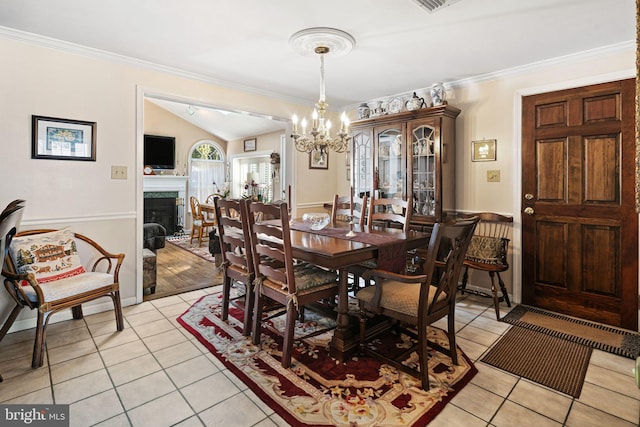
<point>408,154</point>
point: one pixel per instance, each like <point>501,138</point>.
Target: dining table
<point>333,249</point>
<point>208,208</point>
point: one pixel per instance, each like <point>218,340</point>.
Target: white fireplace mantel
<point>153,183</point>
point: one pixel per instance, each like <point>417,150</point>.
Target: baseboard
<point>61,316</point>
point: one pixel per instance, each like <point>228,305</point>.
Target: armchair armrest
<point>107,257</point>
<point>383,274</point>
<point>13,282</point>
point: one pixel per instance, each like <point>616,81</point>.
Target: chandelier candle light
<point>321,41</point>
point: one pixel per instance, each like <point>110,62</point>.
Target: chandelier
<point>322,42</point>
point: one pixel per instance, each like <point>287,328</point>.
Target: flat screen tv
<point>160,151</point>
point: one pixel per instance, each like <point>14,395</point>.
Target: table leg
<point>343,339</point>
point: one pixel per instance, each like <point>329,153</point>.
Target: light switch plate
<point>118,172</point>
<point>493,176</point>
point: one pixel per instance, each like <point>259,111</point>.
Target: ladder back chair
<point>9,222</point>
<point>52,270</point>
<point>419,300</point>
<point>385,212</point>
<point>278,277</point>
<point>237,256</point>
<point>488,252</point>
<point>341,210</point>
<point>392,212</point>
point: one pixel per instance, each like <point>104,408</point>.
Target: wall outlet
<point>118,172</point>
<point>493,176</point>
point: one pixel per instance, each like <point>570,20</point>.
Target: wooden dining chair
<point>383,212</point>
<point>341,209</point>
<point>488,252</point>
<point>418,301</point>
<point>237,256</point>
<point>278,277</point>
<point>199,223</point>
<point>390,212</point>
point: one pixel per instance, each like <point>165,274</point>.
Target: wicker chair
<point>33,278</point>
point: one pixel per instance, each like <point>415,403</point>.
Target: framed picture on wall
<point>250,144</point>
<point>62,139</point>
<point>483,151</point>
<point>319,159</point>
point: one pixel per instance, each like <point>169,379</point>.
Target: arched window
<point>206,170</point>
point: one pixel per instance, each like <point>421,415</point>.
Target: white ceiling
<point>399,46</point>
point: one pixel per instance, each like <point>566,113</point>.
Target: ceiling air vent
<point>432,6</point>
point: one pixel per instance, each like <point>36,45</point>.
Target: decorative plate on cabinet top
<point>394,105</point>
<point>148,170</point>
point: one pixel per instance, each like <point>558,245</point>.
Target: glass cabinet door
<point>362,164</point>
<point>423,170</point>
<point>391,165</point>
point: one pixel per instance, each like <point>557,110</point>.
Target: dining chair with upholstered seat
<point>420,300</point>
<point>199,223</point>
<point>278,277</point>
<point>237,256</point>
<point>390,212</point>
<point>488,252</point>
<point>384,212</point>
<point>45,271</point>
<point>341,210</point>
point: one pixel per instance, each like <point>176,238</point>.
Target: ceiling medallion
<point>321,41</point>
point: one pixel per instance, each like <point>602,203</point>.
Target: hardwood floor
<point>179,271</point>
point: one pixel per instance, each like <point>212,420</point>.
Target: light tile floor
<point>156,374</point>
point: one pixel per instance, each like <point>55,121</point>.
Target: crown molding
<point>547,63</point>
<point>73,48</point>
<point>77,49</point>
<point>521,69</point>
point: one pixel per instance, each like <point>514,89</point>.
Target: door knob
<point>528,196</point>
<point>529,211</point>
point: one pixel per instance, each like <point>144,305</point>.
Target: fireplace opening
<point>162,210</point>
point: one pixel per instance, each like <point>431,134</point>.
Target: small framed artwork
<point>62,139</point>
<point>319,159</point>
<point>483,150</point>
<point>250,144</point>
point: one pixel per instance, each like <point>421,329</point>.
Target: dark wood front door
<point>579,225</point>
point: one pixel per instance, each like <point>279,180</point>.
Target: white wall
<point>37,80</point>
<point>491,109</point>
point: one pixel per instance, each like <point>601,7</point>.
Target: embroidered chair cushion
<point>487,250</point>
<point>48,256</point>
<point>70,286</point>
<point>309,276</point>
<point>397,296</point>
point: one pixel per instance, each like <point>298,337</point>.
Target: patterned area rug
<point>545,359</point>
<point>317,390</point>
<point>201,251</point>
<point>595,335</point>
